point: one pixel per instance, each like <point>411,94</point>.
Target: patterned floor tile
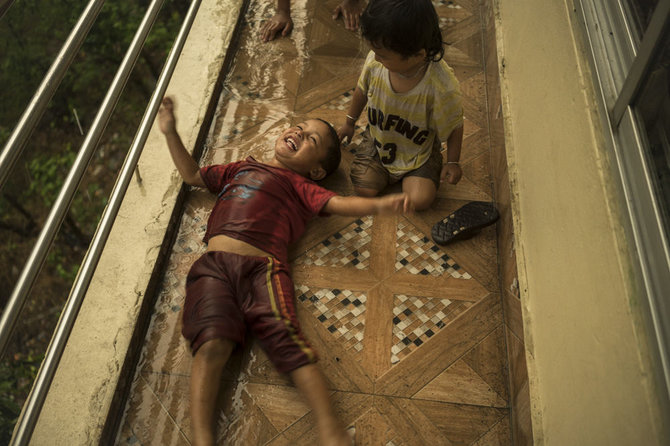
<point>417,254</point>
<point>376,297</point>
<point>348,247</point>
<point>417,319</point>
<point>342,312</point>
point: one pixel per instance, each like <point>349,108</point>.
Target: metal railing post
<point>64,199</point>
<point>28,419</point>
<point>33,113</point>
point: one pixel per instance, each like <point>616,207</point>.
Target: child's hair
<point>332,160</point>
<point>403,26</point>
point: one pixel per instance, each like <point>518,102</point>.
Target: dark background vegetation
<point>31,34</point>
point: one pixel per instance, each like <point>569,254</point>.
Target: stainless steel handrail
<point>26,423</point>
<point>33,113</point>
<point>64,199</point>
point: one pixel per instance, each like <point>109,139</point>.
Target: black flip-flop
<point>464,222</point>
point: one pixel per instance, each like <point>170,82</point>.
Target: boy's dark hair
<point>332,160</point>
<point>403,26</point>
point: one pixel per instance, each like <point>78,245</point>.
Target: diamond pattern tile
<point>342,312</point>
<point>417,254</point>
<point>402,326</point>
<point>348,247</point>
<point>416,320</point>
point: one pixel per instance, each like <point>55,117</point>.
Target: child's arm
<point>359,206</point>
<point>358,102</point>
<point>451,170</point>
<point>186,165</point>
<point>280,22</point>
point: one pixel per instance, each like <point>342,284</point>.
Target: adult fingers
<point>269,31</point>
<point>351,20</point>
<point>287,29</point>
<point>337,11</point>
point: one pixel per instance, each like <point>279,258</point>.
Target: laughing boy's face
<point>301,148</point>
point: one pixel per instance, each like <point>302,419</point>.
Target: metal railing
<point>33,405</point>
<point>31,116</point>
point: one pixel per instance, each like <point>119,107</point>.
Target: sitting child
<point>243,278</point>
<point>413,100</point>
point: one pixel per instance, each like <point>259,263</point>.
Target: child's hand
<point>166,120</point>
<point>346,131</point>
<point>451,173</point>
<point>280,22</point>
<point>395,204</point>
<point>351,11</point>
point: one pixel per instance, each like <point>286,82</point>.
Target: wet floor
<point>410,334</point>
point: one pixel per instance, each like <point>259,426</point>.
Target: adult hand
<point>351,11</point>
<point>281,22</point>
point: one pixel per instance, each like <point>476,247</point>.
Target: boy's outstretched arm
<point>359,206</point>
<point>186,165</point>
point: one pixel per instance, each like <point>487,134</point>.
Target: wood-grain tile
<point>410,334</point>
<point>445,347</point>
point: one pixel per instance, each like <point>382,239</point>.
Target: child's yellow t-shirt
<point>405,125</point>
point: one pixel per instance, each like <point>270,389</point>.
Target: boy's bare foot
<point>351,11</point>
<point>166,119</point>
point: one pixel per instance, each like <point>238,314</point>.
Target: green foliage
<point>47,172</point>
<point>31,35</point>
<point>16,378</point>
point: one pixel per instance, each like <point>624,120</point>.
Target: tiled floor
<point>410,334</point>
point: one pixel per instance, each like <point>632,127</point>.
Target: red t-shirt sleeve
<point>314,196</point>
<point>218,175</point>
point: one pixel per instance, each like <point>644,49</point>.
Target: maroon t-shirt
<point>262,205</point>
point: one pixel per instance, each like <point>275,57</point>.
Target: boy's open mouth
<point>292,143</point>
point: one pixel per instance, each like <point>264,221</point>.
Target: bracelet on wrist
<point>453,162</point>
<point>352,118</point>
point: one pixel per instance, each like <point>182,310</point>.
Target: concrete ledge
<point>81,395</point>
<point>589,375</point>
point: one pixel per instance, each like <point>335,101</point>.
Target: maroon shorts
<point>225,293</point>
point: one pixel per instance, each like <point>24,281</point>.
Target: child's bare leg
<point>365,191</point>
<point>421,191</point>
<point>312,384</point>
<point>206,370</point>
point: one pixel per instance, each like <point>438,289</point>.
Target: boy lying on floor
<point>243,279</point>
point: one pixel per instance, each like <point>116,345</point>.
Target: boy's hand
<point>280,22</point>
<point>351,11</point>
<point>395,204</point>
<point>166,120</point>
<point>346,131</point>
<point>451,173</point>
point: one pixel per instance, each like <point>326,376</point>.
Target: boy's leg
<point>206,370</point>
<point>421,191</point>
<point>365,192</point>
<point>312,384</point>
<point>368,175</point>
<point>421,184</point>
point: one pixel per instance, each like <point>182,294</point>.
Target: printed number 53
<point>389,152</point>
